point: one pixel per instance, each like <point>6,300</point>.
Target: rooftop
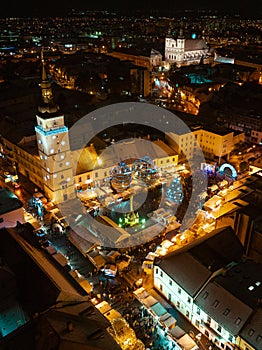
<point>8,201</point>
<point>244,281</point>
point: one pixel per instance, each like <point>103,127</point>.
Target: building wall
<point>175,52</point>
<point>212,144</point>
<point>177,296</point>
<point>212,330</point>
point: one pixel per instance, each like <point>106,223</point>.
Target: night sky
<point>49,7</point>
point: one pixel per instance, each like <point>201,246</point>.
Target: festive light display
<point>145,171</point>
<point>175,191</point>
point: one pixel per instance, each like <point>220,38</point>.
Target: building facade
<point>204,284</point>
<point>182,51</point>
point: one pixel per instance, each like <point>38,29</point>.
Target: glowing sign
<point>232,169</point>
<point>193,36</point>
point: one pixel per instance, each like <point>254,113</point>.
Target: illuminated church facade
<point>182,51</point>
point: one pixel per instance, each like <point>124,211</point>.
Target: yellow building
<point>217,142</point>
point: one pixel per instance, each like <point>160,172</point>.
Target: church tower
<point>180,46</point>
<point>53,145</point>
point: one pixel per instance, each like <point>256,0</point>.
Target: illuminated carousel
<point>145,171</point>
<point>121,177</point>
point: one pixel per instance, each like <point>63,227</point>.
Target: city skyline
<point>48,8</point>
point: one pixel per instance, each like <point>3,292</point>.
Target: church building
<point>184,51</point>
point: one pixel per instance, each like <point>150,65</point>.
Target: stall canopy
<point>141,293</point>
<point>149,301</point>
<point>158,309</point>
<point>168,320</point>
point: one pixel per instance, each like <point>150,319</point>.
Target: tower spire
<point>47,104</point>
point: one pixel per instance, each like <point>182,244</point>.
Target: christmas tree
<point>175,191</point>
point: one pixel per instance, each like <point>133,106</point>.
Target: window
<point>215,303</point>
<point>80,179</point>
<point>170,282</point>
<point>251,332</point>
<point>62,176</point>
<point>156,271</point>
<point>219,329</point>
<point>67,163</point>
<point>178,304</point>
<point>187,313</point>
<point>63,143</point>
<point>96,174</point>
<point>52,151</point>
<point>161,274</point>
<point>39,141</point>
<point>188,300</point>
<point>161,287</point>
<point>198,311</point>
<point>197,323</point>
<point>226,312</point>
<point>206,333</point>
<point>238,321</point>
<point>230,338</point>
<point>205,295</point>
<point>179,290</point>
<point>259,338</point>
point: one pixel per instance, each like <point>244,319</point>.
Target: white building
<point>53,146</point>
<point>204,284</point>
<point>185,51</point>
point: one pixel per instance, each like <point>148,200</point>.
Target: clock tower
<point>53,146</point>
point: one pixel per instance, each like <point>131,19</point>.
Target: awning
<point>141,293</point>
<point>168,320</point>
<point>158,309</point>
<point>149,301</point>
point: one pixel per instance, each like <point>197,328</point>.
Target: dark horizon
<point>59,7</point>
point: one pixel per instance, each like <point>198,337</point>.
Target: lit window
<point>48,169</point>
<point>55,176</point>
<point>63,143</point>
<point>52,150</point>
<point>68,179</point>
<point>258,283</point>
<point>39,141</point>
<point>54,137</point>
<point>251,287</point>
<point>41,157</point>
<point>67,163</point>
<point>62,156</point>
